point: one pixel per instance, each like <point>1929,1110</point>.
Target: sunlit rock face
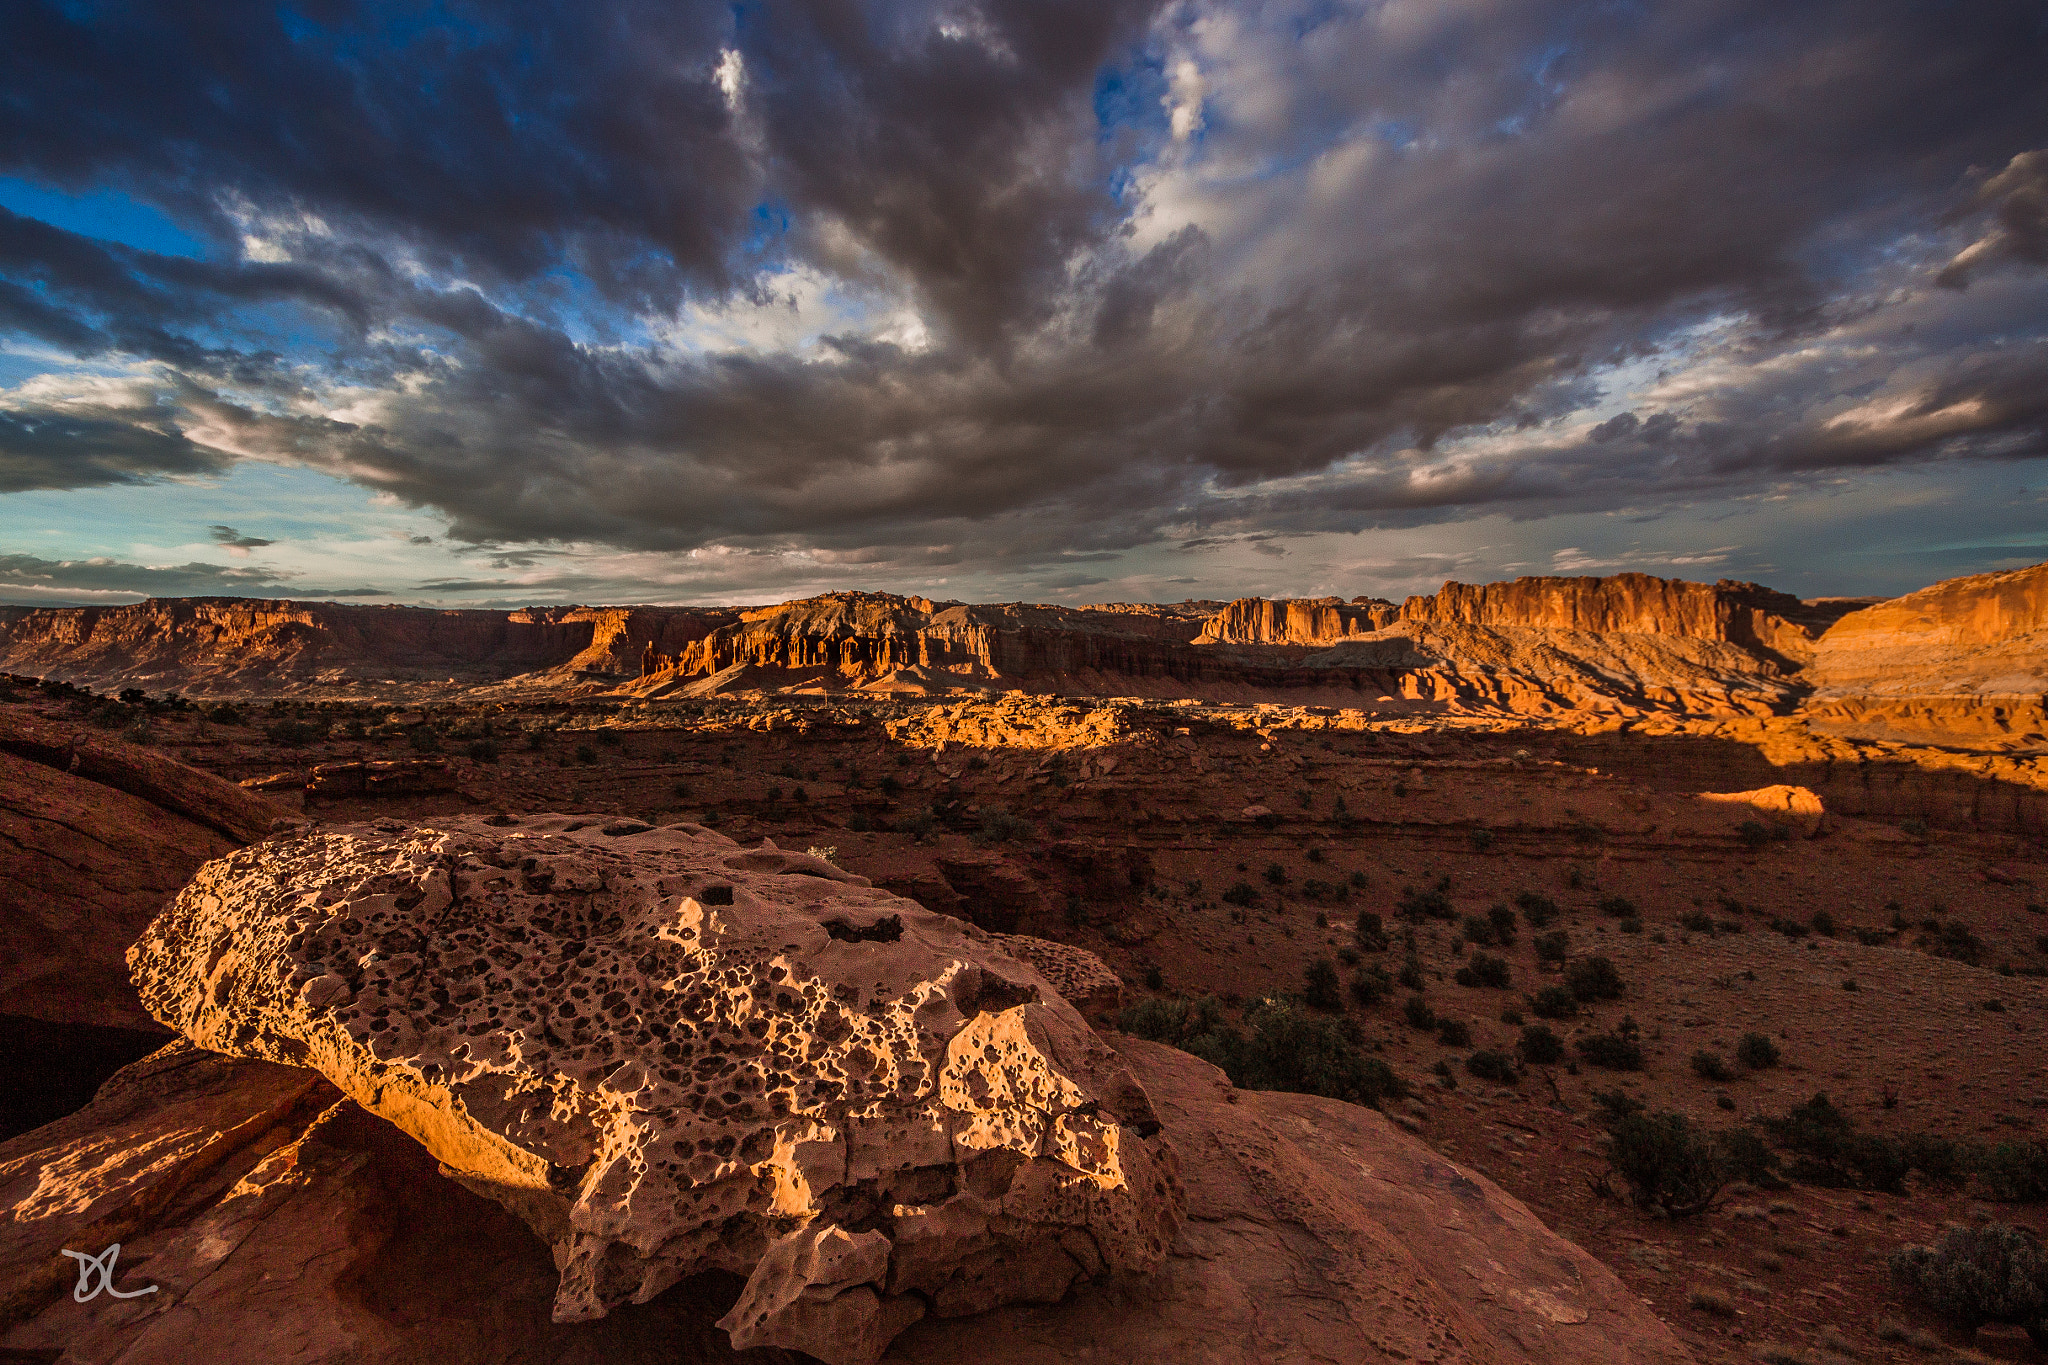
<point>668,1054</point>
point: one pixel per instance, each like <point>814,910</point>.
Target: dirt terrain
<point>1867,887</point>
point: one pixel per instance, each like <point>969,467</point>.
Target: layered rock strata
<point>670,1055</point>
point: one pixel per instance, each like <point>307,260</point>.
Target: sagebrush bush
<point>1478,929</point>
<point>1593,978</point>
<point>1485,970</point>
<point>1371,986</point>
<point>1538,910</point>
<point>1992,1273</point>
<point>1553,946</point>
<point>1490,1065</point>
<point>1619,907</point>
<point>1620,1050</point>
<point>1417,1012</point>
<point>1539,1046</point>
<point>1454,1032</point>
<point>1711,1066</point>
<point>1554,1002</point>
<point>1756,1051</point>
<point>2015,1172</point>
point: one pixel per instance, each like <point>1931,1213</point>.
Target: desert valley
<point>870,977</point>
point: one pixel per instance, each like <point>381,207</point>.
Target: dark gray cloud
<point>230,538</point>
<point>928,286</point>
<point>51,582</point>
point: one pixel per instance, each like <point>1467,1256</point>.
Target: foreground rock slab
<point>670,1056</point>
<point>280,1221</point>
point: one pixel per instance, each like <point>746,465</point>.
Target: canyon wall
<point>1296,621</point>
<point>231,646</point>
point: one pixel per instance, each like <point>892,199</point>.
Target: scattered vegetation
<point>1484,969</point>
<point>1280,1047</point>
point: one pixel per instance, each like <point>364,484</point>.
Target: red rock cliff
<point>226,644</point>
<point>1742,614</point>
<point>1296,621</point>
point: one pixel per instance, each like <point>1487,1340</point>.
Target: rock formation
<point>278,1221</point>
<point>99,834</point>
<point>1298,621</point>
<point>230,646</point>
<point>1969,655</point>
<point>671,1056</point>
<point>1963,656</point>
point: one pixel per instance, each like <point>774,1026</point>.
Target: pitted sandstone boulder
<point>668,1054</point>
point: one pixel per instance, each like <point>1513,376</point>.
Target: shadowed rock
<point>653,1047</point>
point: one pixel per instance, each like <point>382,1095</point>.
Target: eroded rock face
<point>670,1055</point>
<point>280,1222</point>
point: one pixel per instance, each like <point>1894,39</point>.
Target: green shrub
<point>1618,1050</point>
<point>1553,946</point>
<point>1454,1033</point>
<point>1538,910</point>
<point>1428,903</point>
<point>1954,941</point>
<point>1410,974</point>
<point>1242,894</point>
<point>1371,986</point>
<point>1756,1052</point>
<point>1417,1012</point>
<point>1993,1273</point>
<point>1275,874</point>
<point>1489,1065</point>
<point>1371,932</point>
<point>1748,1157</point>
<point>293,734</point>
<point>1281,1048</point>
<point>1554,1002</point>
<point>1697,922</point>
<point>1670,1167</point>
<point>1832,1153</point>
<point>1485,970</point>
<point>1712,1066</point>
<point>1617,907</point>
<point>1823,924</point>
<point>1322,989</point>
<point>1503,921</point>
<point>1539,1046</point>
<point>2015,1172</point>
<point>1593,978</point>
<point>1478,929</point>
<point>998,826</point>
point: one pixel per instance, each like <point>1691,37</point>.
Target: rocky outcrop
<point>1771,624</point>
<point>1967,656</point>
<point>99,834</point>
<point>227,646</point>
<point>279,1221</point>
<point>1296,621</point>
<point>671,1056</point>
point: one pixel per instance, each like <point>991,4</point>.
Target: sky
<point>1047,300</point>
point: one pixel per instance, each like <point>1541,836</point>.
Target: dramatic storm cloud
<point>1029,294</point>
